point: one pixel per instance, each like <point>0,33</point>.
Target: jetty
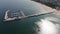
<point>7,18</point>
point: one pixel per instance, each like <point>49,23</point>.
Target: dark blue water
<point>24,26</point>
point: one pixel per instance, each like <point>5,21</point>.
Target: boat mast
<point>6,14</point>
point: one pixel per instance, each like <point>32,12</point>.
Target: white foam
<point>46,27</point>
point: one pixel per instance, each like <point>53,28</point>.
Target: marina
<point>7,18</point>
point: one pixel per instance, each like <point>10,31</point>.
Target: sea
<point>44,24</point>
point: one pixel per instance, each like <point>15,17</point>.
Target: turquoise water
<point>24,26</point>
